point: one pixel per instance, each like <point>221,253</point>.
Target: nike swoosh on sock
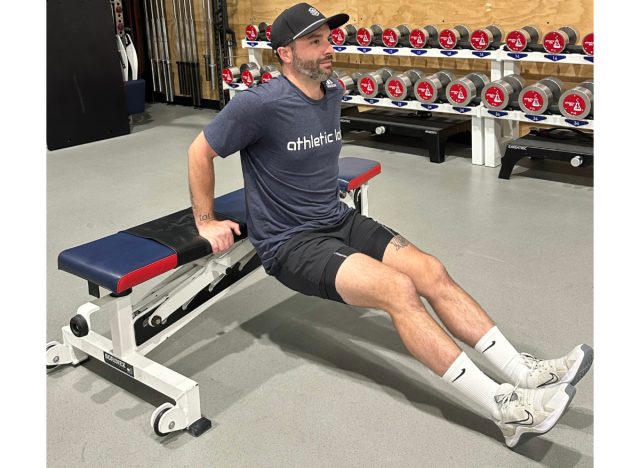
<point>461,374</point>
<point>487,348</point>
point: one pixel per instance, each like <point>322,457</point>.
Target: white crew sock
<point>502,356</point>
<point>474,384</point>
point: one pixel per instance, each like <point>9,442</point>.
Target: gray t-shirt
<point>289,146</point>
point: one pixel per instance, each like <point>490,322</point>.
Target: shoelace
<point>535,364</point>
<point>524,398</point>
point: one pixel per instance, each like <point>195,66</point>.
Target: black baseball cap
<point>300,20</point>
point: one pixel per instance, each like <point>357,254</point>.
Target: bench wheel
<point>79,326</point>
<point>49,346</point>
<point>157,416</point>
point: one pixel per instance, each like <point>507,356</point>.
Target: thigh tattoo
<point>398,242</point>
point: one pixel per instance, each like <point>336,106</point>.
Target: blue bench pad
<point>123,260</point>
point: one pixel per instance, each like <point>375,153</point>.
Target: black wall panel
<point>85,92</point>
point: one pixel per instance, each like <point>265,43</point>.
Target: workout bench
<point>129,258</point>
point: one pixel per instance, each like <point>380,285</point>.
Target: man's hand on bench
<point>219,233</point>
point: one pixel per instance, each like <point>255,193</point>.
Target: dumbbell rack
<point>502,126</point>
<point>490,130</point>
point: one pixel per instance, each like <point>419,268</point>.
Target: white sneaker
<point>568,369</point>
<point>530,412</point>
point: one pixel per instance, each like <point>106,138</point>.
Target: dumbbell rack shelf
<point>546,119</point>
<point>491,130</point>
<point>413,105</point>
<point>573,59</point>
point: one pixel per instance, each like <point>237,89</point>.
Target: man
<point>288,135</point>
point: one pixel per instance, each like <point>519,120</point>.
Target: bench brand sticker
<point>389,38</point>
<point>396,88</point>
<point>447,39</point>
<point>118,364</point>
<point>417,38</point>
<point>479,40</point>
<point>458,93</point>
<point>516,42</point>
<point>363,37</point>
<point>533,100</point>
<point>587,44</point>
<point>553,42</point>
<point>251,32</point>
<point>494,97</point>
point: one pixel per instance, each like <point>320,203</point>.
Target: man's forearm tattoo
<point>398,242</point>
<point>206,217</point>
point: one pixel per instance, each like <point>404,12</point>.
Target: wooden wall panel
<point>509,14</point>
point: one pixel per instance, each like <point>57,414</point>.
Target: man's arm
<point>201,189</point>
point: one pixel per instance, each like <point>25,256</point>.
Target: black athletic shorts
<point>309,261</point>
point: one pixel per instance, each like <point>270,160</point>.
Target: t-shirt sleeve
<point>237,126</point>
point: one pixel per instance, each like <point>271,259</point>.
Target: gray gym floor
<point>289,380</point>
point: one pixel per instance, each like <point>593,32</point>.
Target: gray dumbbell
<point>347,81</point>
<point>400,86</point>
<point>519,39</point>
<point>577,102</point>
<point>557,41</point>
<point>250,73</point>
<point>371,85</point>
<point>541,96</point>
<point>503,93</point>
<point>467,90</point>
<point>451,37</point>
<point>485,38</point>
<point>269,72</point>
<point>370,36</point>
<point>433,88</point>
<point>420,38</point>
<point>344,35</point>
<point>396,37</point>
<point>231,75</point>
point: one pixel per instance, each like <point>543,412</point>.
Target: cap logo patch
<point>314,12</point>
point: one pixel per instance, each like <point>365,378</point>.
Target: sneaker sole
<point>524,433</point>
<point>585,364</point>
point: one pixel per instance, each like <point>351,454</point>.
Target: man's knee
<point>401,291</point>
<point>435,271</point>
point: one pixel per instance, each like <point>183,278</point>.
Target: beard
<point>311,68</point>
